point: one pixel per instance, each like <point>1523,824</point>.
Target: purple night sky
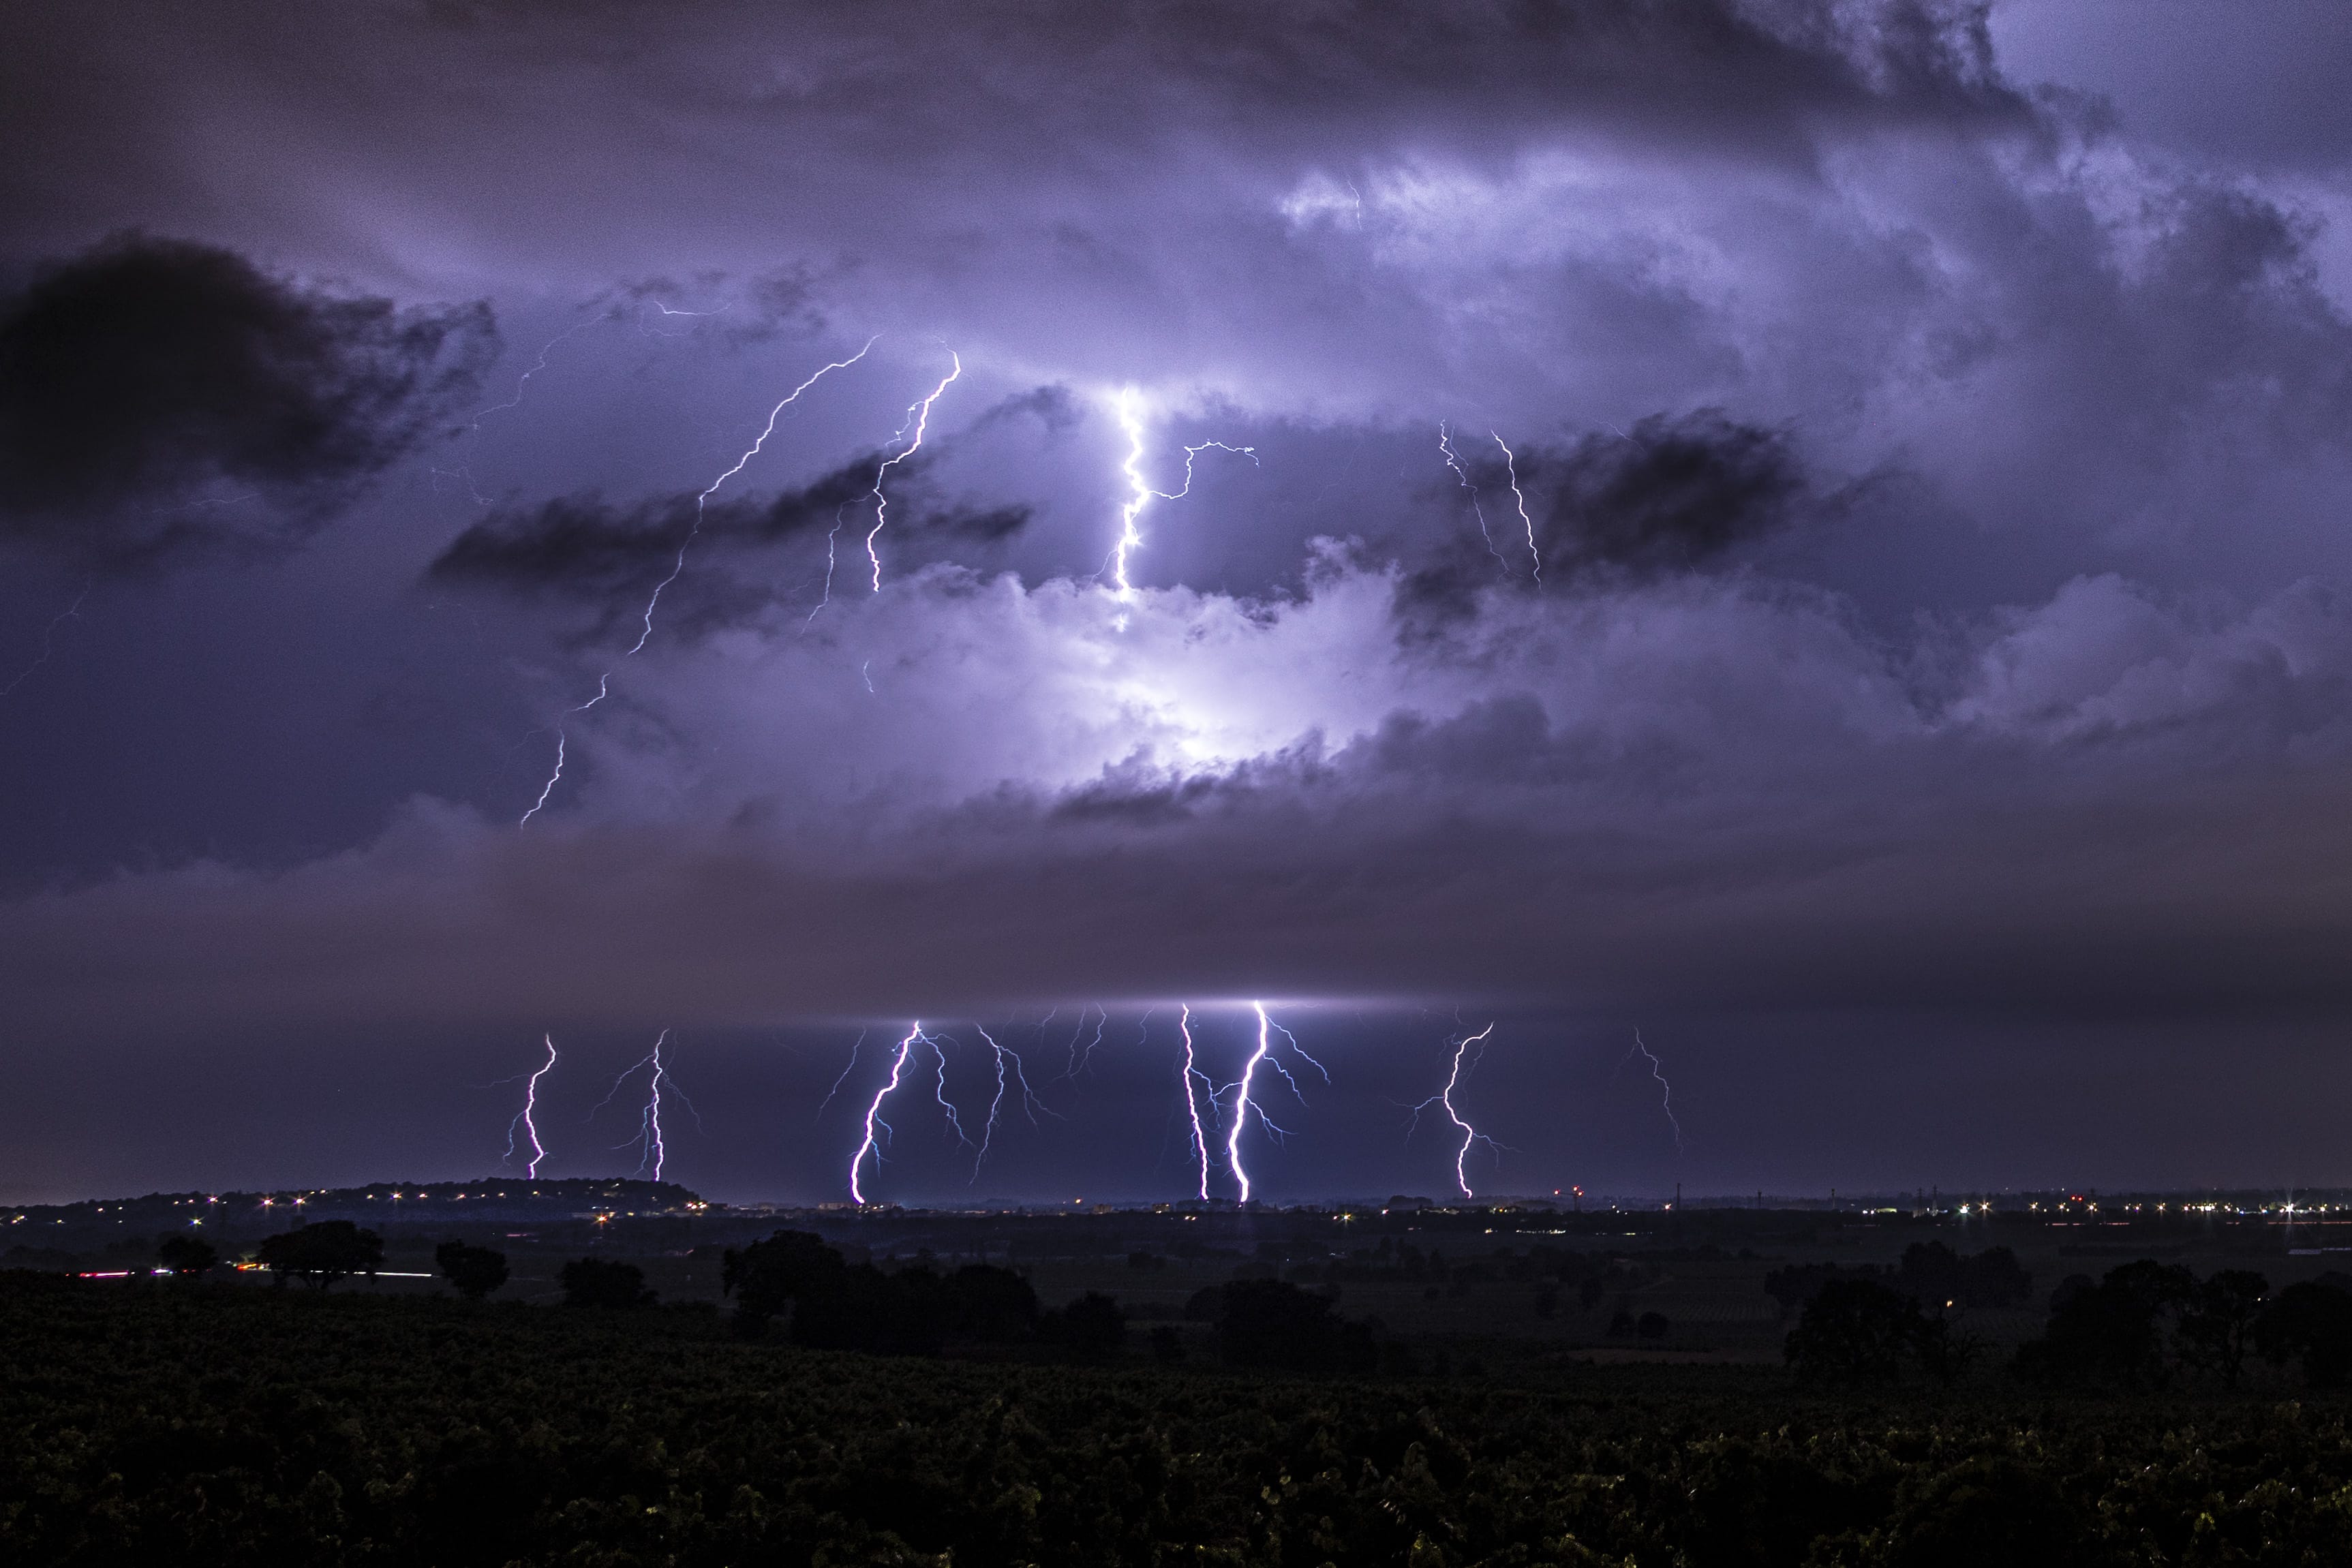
<point>1819,532</point>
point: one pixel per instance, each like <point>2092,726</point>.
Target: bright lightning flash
<point>525,1118</point>
<point>649,1129</point>
<point>919,416</point>
<point>1511,466</point>
<point>874,1110</point>
<point>1126,407</point>
<point>1192,1102</point>
<point>1243,1108</point>
<point>1464,1063</point>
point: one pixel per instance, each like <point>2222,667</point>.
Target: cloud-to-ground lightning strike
<point>955,1122</point>
<point>649,1127</point>
<point>1141,492</point>
<point>1266,1028</point>
<point>1192,1102</point>
<point>1445,446</point>
<point>1454,1113</point>
<point>1030,1103</point>
<point>526,1118</point>
<point>918,415</point>
<point>1511,466</point>
<point>1079,1059</point>
<point>1666,1090</point>
<point>604,682</point>
<point>874,1112</point>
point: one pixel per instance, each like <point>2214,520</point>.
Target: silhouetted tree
<point>2311,1322</point>
<point>1653,1325</point>
<point>1859,1331</point>
<point>472,1271</point>
<point>2217,1322</point>
<point>2116,1332</point>
<point>768,1276</point>
<point>1940,1276</point>
<point>186,1256</point>
<point>1268,1323</point>
<point>1093,1325</point>
<point>1166,1344</point>
<point>603,1282</point>
<point>990,1304</point>
<point>321,1254</point>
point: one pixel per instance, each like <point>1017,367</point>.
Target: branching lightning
<point>525,1118</point>
<point>1030,1103</point>
<point>1126,408</point>
<point>955,1122</point>
<point>1511,466</point>
<point>918,415</point>
<point>656,1152</point>
<point>1445,445</point>
<point>1464,1064</point>
<point>1079,1059</point>
<point>712,488</point>
<point>874,1111</point>
<point>1666,1090</point>
<point>1244,1108</point>
<point>604,682</point>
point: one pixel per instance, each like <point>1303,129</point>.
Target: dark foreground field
<point>160,1423</point>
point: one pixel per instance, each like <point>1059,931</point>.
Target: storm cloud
<point>160,396</point>
<point>1710,514</point>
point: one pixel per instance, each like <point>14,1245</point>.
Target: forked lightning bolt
<point>1243,1106</point>
<point>1126,407</point>
<point>1030,1103</point>
<point>656,1152</point>
<point>1464,1063</point>
<point>712,488</point>
<point>604,682</point>
<point>526,1118</point>
<point>918,415</point>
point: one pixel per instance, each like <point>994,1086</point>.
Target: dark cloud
<point>584,547</point>
<point>1677,492</point>
<point>158,396</point>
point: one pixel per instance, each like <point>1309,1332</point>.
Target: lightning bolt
<point>1079,1059</point>
<point>1125,406</point>
<point>649,1127</point>
<point>524,380</point>
<point>563,740</point>
<point>1445,446</point>
<point>1666,1090</point>
<point>1463,1064</point>
<point>524,1119</point>
<point>918,415</point>
<point>604,682</point>
<point>1030,1103</point>
<point>940,1094</point>
<point>845,1071</point>
<point>1511,466</point>
<point>1192,1102</point>
<point>48,638</point>
<point>1266,1028</point>
<point>712,488</point>
<point>874,1112</point>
